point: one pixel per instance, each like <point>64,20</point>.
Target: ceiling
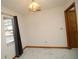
<point>21,6</point>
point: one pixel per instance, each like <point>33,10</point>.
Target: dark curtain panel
<point>17,38</point>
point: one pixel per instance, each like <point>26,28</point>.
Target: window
<point>8,29</point>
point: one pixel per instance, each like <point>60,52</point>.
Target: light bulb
<point>34,6</point>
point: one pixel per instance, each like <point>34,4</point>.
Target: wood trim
<point>67,31</point>
<point>41,46</point>
<point>73,4</point>
<point>67,25</point>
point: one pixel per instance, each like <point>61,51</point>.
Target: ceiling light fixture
<point>34,6</point>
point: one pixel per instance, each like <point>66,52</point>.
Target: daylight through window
<point>8,28</point>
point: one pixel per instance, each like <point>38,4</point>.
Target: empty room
<point>39,29</point>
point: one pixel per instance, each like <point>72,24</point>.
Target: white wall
<point>46,27</point>
<point>8,51</point>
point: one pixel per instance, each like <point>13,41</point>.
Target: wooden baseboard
<point>38,46</point>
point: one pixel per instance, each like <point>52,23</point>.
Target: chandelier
<point>34,6</point>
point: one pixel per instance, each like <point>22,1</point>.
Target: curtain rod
<point>6,14</point>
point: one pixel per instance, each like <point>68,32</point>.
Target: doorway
<point>71,27</point>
